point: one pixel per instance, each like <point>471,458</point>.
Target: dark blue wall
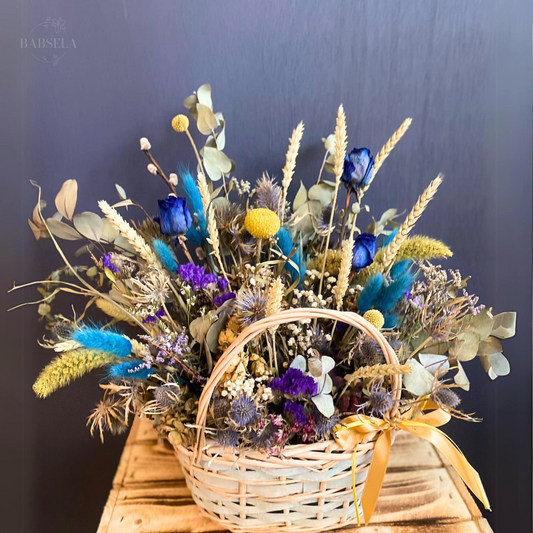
<point>460,68</point>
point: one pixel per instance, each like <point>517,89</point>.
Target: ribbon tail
<point>376,474</point>
<point>450,450</point>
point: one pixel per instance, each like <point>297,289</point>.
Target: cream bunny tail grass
<point>388,148</point>
<point>344,272</point>
<point>421,204</point>
<point>134,238</point>
<point>290,162</point>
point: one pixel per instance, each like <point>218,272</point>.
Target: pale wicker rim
<point>290,315</point>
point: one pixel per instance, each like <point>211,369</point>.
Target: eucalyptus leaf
<point>204,95</point>
<point>465,346</point>
<point>66,198</point>
<point>460,378</point>
<point>62,230</point>
<point>324,403</point>
<point>190,103</point>
<point>322,192</point>
<point>123,203</point>
<point>329,143</point>
<point>434,363</point>
<point>482,324</point>
<point>419,381</point>
<point>499,364</point>
<point>489,346</point>
<point>199,327</point>
<point>121,192</point>
<point>300,198</point>
<point>221,135</point>
<point>109,232</point>
<point>207,121</point>
<point>504,325</point>
<point>216,163</point>
<point>89,224</point>
<point>124,245</point>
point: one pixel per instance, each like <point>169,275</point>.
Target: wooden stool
<point>421,493</point>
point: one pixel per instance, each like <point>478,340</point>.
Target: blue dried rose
<point>174,216</point>
<point>358,166</point>
<point>364,249</point>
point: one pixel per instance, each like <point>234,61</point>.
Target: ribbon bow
<point>354,429</point>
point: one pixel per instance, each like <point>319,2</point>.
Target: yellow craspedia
<point>180,123</point>
<point>375,318</point>
<point>262,223</point>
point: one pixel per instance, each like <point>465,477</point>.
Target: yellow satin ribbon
<point>354,429</point>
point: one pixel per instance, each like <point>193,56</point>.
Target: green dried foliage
<point>67,367</point>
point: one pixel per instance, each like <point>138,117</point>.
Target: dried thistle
<point>408,224</point>
<point>268,194</point>
<point>108,415</point>
<point>290,163</point>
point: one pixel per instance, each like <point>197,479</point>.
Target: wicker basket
<point>308,489</point>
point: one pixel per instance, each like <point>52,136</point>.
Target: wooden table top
<point>421,493</point>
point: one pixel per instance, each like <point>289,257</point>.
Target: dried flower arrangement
<point>224,258</point>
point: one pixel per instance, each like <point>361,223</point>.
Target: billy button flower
<point>358,168</point>
<point>174,216</point>
<point>364,249</point>
<point>262,223</point>
<point>180,123</point>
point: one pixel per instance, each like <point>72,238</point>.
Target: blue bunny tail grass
<point>286,246</point>
<point>101,340</point>
<point>391,320</point>
<point>390,237</point>
<point>127,370</point>
<point>165,255</point>
<point>370,293</point>
<point>391,294</point>
<point>191,192</point>
<point>399,268</point>
<point>194,236</point>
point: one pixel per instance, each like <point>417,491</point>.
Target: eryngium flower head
<point>448,398</point>
<point>367,352</point>
<point>294,383</point>
<point>268,194</point>
<point>323,424</point>
<point>221,407</point>
<point>243,410</point>
<point>364,249</point>
<point>251,306</point>
<point>263,438</point>
<point>174,216</point>
<point>358,166</point>
<point>168,395</point>
<point>228,438</point>
<point>379,403</point>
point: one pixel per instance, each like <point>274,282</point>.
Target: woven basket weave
<point>308,489</point>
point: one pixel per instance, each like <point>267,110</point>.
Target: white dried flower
<point>152,168</point>
<point>173,178</point>
<point>145,144</point>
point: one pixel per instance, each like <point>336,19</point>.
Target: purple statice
<point>150,319</point>
<point>221,298</point>
<point>222,284</point>
<point>196,276</point>
<point>294,383</point>
<point>160,313</point>
<point>296,410</point>
<point>106,262</point>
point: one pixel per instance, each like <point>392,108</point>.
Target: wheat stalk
<point>275,299</point>
<point>290,162</point>
<point>134,238</point>
<point>421,204</point>
<point>214,240</point>
<point>378,371</point>
<point>341,142</point>
<point>388,148</point>
<point>203,188</point>
<point>344,272</point>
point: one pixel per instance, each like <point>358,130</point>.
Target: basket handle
<point>289,315</point>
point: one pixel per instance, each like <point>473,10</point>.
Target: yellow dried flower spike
<point>180,123</point>
<point>262,223</point>
<point>375,318</point>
